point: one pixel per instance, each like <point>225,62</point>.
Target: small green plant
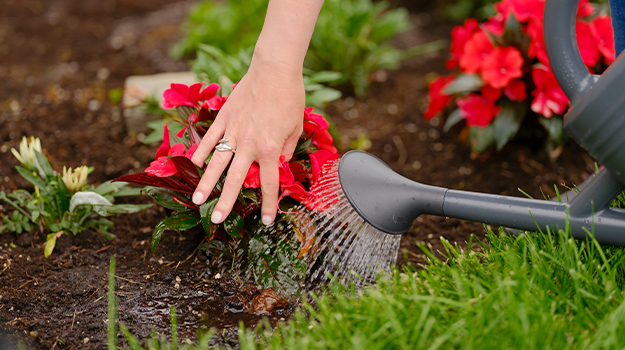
<point>153,342</point>
<point>64,203</point>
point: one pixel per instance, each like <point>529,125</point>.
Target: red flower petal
<point>516,90</point>
<point>176,96</point>
<point>587,44</point>
<point>437,100</point>
<point>209,92</point>
<point>215,103</point>
<point>548,96</point>
<point>477,110</point>
<point>163,149</point>
<point>490,93</point>
<point>601,29</point>
<point>252,179</point>
<point>317,160</point>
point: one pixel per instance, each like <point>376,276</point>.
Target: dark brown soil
<point>59,59</point>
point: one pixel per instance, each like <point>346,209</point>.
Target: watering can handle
<point>561,45</point>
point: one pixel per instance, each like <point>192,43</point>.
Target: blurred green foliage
<point>351,37</point>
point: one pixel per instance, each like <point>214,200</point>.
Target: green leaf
<point>63,195</point>
<point>87,198</point>
<point>234,225</point>
<point>45,170</point>
<point>454,118</point>
<point>109,187</point>
<point>206,210</point>
<point>303,145</point>
<point>180,221</point>
<point>553,126</point>
<point>482,138</point>
<point>513,34</point>
<point>508,122</point>
<point>30,177</point>
<point>322,97</point>
<point>51,243</point>
<point>127,208</point>
<point>248,193</point>
<point>164,197</point>
<point>324,77</point>
<point>463,84</point>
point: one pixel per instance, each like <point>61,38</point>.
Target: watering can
<point>596,120</point>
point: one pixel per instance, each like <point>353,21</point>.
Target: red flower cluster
<point>503,69</point>
<point>295,176</point>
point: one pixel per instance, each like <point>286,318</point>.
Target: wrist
<point>283,62</point>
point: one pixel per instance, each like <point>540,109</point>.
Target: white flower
<point>26,155</point>
<point>76,180</point>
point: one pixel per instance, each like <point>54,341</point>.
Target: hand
<point>262,120</point>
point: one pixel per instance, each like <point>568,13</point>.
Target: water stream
<point>353,250</point>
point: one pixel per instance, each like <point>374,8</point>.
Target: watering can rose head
<point>26,154</point>
<point>504,75</point>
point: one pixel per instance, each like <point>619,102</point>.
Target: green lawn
<point>537,291</point>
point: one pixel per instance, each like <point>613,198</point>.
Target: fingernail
<point>198,197</point>
<point>216,217</point>
<point>267,220</point>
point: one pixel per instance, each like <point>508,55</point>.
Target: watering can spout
<point>564,57</point>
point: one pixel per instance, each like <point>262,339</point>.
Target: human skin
<point>263,117</point>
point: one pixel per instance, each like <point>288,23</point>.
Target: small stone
<point>160,261</point>
<point>217,276</point>
<point>86,340</point>
<point>178,279</point>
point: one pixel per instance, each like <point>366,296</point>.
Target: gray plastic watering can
<point>596,120</point>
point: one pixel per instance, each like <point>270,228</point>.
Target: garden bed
<point>56,73</point>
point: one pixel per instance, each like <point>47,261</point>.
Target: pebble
<point>86,340</point>
<point>178,279</point>
<point>217,276</point>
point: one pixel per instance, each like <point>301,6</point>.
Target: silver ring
<point>222,146</point>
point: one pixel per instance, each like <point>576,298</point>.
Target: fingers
<point>218,163</point>
<point>289,147</point>
<point>234,181</point>
<point>270,185</point>
<point>209,141</point>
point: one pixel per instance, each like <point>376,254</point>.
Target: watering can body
<point>596,119</point>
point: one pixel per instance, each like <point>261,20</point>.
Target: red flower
<point>190,96</point>
<point>459,37</point>
<point>317,160</point>
<point>286,176</point>
<point>477,110</point>
<point>525,10</point>
<point>587,44</point>
<point>537,43</point>
<point>317,126</point>
<point>601,29</point>
<point>502,66</point>
<point>162,168</point>
<point>476,51</point>
<point>163,149</point>
<point>548,96</point>
<point>516,90</point>
<point>437,101</point>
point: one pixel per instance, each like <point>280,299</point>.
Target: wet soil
<point>59,60</point>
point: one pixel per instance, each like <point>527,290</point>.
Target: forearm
<point>287,31</point>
